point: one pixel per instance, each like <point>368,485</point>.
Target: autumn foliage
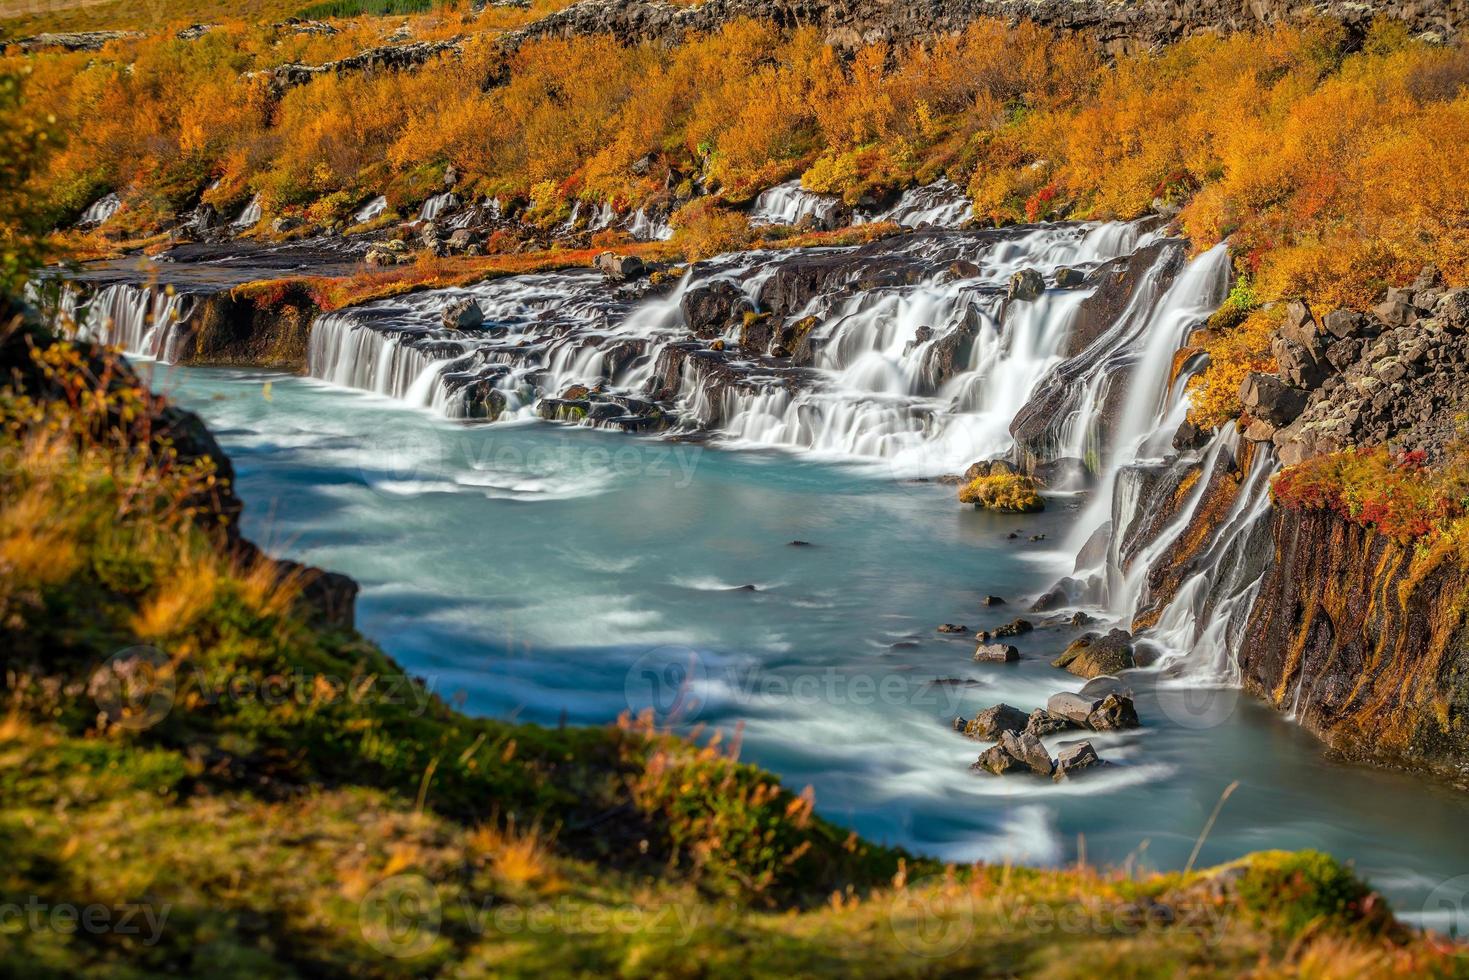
<point>1396,493</point>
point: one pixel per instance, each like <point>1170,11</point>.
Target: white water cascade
<point>438,205</point>
<point>143,320</point>
<point>790,204</point>
<point>371,210</point>
<point>100,211</point>
<point>250,217</point>
<point>942,204</point>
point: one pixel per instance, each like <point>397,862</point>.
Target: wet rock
<point>990,723</point>
<point>1058,596</point>
<point>1080,619</point>
<point>1066,473</point>
<point>1026,286</point>
<point>620,268</point>
<point>1042,723</point>
<point>1103,685</point>
<point>1068,278</point>
<point>712,309</point>
<point>1115,712</point>
<point>463,314</point>
<point>998,762</point>
<point>1029,750</point>
<point>992,600</point>
<point>1074,707</point>
<point>1094,552</point>
<point>996,653</point>
<point>1074,759</point>
<point>799,544</point>
<point>1095,654</point>
<point>953,628</point>
<point>1014,628</point>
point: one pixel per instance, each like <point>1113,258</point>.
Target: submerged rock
<point>953,628</point>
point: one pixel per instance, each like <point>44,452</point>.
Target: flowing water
<point>548,571</point>
<point>541,571</point>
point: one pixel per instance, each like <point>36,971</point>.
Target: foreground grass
<point>202,773</point>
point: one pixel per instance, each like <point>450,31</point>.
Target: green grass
<point>364,8</point>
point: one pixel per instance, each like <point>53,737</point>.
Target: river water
<point>546,572</point>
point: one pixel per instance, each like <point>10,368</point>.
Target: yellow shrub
<point>1010,493</point>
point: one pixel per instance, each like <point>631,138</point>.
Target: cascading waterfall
<point>100,211</point>
<point>144,320</point>
<point>250,216</point>
<point>942,204</point>
<point>437,205</point>
<point>790,204</point>
<point>371,210</point>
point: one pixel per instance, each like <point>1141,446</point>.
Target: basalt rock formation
<point>1362,640</point>
<point>1120,26</point>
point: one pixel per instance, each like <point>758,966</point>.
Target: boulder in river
<point>710,309</point>
<point>1074,759</point>
<point>1093,654</point>
<point>1029,750</point>
<point>1026,286</point>
<point>953,628</point>
<point>996,653</point>
<point>989,724</point>
<point>998,762</point>
<point>1071,706</point>
<point>619,268</point>
<point>1114,713</point>
<point>1042,723</point>
<point>463,314</point>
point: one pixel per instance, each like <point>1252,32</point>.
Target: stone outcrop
<point>1394,377</point>
<point>1363,641</point>
<point>75,41</point>
<point>387,57</point>
<point>1120,26</point>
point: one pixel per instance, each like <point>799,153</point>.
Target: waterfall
<point>645,228</point>
<point>143,320</point>
<point>371,210</point>
<point>438,205</point>
<point>100,211</point>
<point>790,203</point>
<point>942,204</point>
<point>250,217</point>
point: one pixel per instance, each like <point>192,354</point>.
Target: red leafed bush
<point>1396,493</point>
